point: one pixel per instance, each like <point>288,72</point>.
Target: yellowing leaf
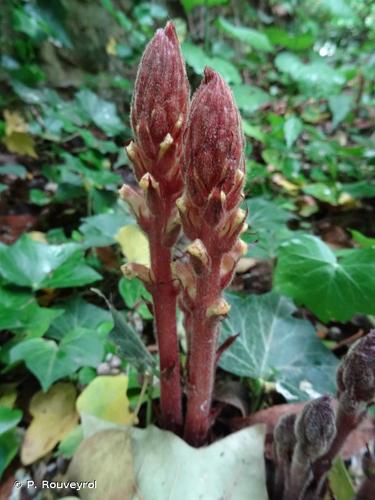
<point>38,236</point>
<point>111,46</point>
<point>54,416</point>
<point>105,398</point>
<point>8,395</point>
<point>20,143</point>
<point>14,122</point>
<point>17,140</point>
<point>106,457</point>
<point>134,245</point>
<point>285,184</point>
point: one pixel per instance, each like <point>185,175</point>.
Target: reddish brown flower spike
<point>214,142</point>
<point>161,96</point>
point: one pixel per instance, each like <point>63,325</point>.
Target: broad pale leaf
<point>166,467</point>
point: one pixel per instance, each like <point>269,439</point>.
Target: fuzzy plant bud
<point>159,110</point>
<point>284,437</point>
<point>315,427</point>
<point>214,141</point>
<point>357,376</point>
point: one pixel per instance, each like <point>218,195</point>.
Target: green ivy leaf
<point>49,361</point>
<point>266,326</point>
<point>103,113</point>
<point>197,58</point>
<point>291,41</point>
<point>30,319</point>
<point>37,265</point>
<point>100,230</point>
<point>249,98</point>
<point>9,418</point>
<point>267,225</point>
<point>254,38</point>
<point>81,314</point>
<point>292,129</point>
<point>9,444</point>
<point>334,288</point>
<point>15,170</point>
<point>340,106</point>
<point>190,4</point>
<point>316,78</point>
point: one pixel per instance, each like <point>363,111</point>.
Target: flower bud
<point>284,437</point>
<point>199,258</point>
<point>315,427</point>
<point>137,204</point>
<point>213,141</point>
<point>218,310</point>
<point>159,108</point>
<point>358,372</point>
<point>134,270</point>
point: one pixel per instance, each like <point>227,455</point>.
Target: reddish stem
<point>164,296</point>
<point>202,357</point>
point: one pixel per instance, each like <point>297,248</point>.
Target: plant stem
<point>202,357</point>
<point>164,299</point>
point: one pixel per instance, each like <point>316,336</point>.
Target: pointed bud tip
<point>170,32</point>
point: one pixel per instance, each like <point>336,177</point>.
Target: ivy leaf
<point>134,244</point>
<point>292,129</point>
<point>190,4</point>
<point>249,98</point>
<point>340,106</point>
<point>38,265</point>
<point>31,319</point>
<point>266,326</point>
<point>196,57</point>
<point>9,444</point>
<point>254,38</point>
<point>9,418</point>
<point>333,287</point>
<point>80,314</point>
<point>228,468</point>
<point>105,398</point>
<point>54,416</point>
<point>103,113</point>
<point>49,361</point>
<point>315,78</point>
<point>100,230</point>
<point>267,224</point>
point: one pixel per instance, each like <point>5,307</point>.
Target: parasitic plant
<point>190,169</point>
<point>158,117</point>
<point>189,163</point>
<point>213,166</point>
<point>320,431</point>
